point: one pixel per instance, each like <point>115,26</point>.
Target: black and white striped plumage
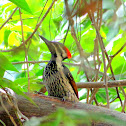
<point>58,79</point>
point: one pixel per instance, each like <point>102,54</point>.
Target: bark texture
<point>46,105</point>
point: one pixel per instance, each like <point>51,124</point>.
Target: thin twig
<point>66,34</point>
<point>25,50</point>
<point>118,3</point>
<point>21,26</point>
<point>123,108</point>
<point>96,49</point>
<point>11,118</point>
<point>74,6</point>
<point>73,33</point>
<point>32,62</point>
<point>42,10</point>
<point>118,96</point>
<point>37,26</point>
<point>109,65</point>
<point>119,50</point>
<point>101,45</point>
<point>87,98</point>
<point>93,95</point>
<point>113,100</point>
<point>103,55</point>
<point>23,19</point>
<point>10,17</point>
<point>72,64</point>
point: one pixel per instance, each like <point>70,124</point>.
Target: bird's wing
<point>71,80</point>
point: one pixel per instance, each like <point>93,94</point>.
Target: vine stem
<point>26,54</point>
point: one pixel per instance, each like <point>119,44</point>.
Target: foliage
<point>73,118</point>
<point>13,53</point>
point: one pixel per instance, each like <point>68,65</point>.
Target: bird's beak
<point>44,39</point>
<point>48,43</point>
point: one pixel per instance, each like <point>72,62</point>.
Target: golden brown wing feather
<point>71,80</point>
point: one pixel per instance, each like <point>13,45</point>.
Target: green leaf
<point>86,43</point>
<point>14,86</point>
<point>5,64</point>
<point>117,44</point>
<point>1,72</point>
<point>22,4</point>
<point>119,65</point>
<point>5,82</point>
<point>6,35</point>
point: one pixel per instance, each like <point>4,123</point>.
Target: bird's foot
<point>65,98</point>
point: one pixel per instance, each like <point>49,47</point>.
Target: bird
<point>58,79</point>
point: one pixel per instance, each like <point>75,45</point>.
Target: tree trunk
<point>47,105</point>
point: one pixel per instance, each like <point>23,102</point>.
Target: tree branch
<point>72,64</point>
<point>118,83</point>
<point>47,105</point>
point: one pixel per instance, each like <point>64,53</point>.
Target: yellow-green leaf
<point>13,39</point>
<point>25,28</point>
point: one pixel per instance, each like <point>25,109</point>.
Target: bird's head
<point>57,49</point>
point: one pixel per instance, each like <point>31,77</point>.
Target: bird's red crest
<point>68,52</point>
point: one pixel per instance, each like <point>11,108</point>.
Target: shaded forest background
<point>93,31</point>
